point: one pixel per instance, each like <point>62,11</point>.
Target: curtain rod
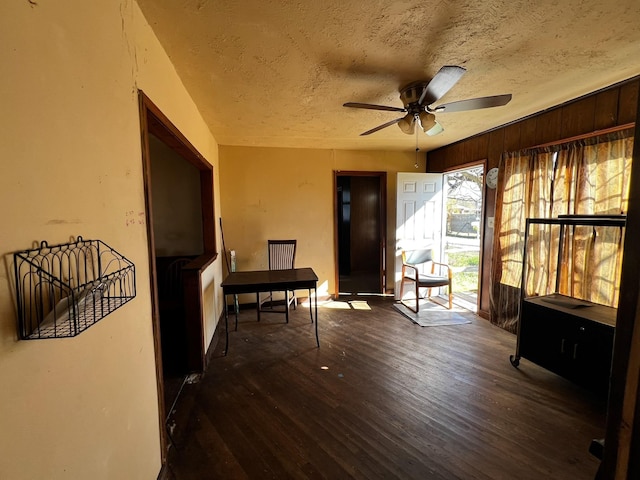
<point>585,135</point>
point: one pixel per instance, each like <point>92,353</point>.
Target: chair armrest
<point>415,269</point>
<point>449,271</point>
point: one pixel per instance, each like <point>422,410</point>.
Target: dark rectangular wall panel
<point>606,114</point>
<point>528,131</point>
<point>628,103</point>
<point>548,125</point>
<point>512,137</point>
<point>578,117</point>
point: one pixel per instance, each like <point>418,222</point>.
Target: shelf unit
<point>568,336</point>
<point>62,290</point>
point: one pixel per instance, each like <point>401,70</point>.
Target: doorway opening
<point>462,233</point>
<point>177,237</point>
<point>179,215</point>
<point>360,226</point>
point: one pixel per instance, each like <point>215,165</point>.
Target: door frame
<point>382,217</point>
<point>153,121</point>
<point>466,166</point>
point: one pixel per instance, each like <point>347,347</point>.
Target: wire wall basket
<point>62,290</point>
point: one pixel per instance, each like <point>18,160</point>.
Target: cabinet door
<point>593,354</point>
<point>543,338</point>
<point>571,346</point>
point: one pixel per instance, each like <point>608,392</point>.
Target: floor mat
<point>431,314</point>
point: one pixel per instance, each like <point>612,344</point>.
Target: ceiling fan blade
<point>435,130</point>
<point>474,104</point>
<point>370,106</point>
<point>380,127</point>
<point>441,83</point>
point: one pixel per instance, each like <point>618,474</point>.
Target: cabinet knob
<point>581,329</point>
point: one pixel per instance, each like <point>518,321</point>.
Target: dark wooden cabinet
<point>566,335</point>
<point>570,337</point>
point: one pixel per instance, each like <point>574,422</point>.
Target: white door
<point>418,216</point>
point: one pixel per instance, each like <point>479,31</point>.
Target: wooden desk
<point>258,281</point>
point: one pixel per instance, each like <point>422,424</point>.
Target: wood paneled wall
<point>610,107</point>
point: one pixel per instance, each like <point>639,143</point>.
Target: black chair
<point>411,259</point>
<point>282,255</point>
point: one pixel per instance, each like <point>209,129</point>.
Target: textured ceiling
<point>276,72</point>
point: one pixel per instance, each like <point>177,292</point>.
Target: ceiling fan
<point>417,98</point>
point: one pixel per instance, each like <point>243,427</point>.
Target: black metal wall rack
<point>62,290</point>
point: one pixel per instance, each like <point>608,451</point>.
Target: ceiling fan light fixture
<point>427,121</point>
<point>436,129</point>
<point>407,124</point>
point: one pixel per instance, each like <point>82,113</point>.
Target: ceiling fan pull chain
<point>417,148</point>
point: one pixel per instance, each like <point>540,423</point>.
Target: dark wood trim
<point>384,273</point>
<point>481,271</point>
<point>155,308</point>
<point>164,474</point>
<point>585,136</point>
<point>466,166</point>
<point>383,224</point>
<point>336,242</point>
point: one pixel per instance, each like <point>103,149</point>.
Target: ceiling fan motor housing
<point>410,95</point>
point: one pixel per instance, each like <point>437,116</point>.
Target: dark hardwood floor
<point>381,398</point>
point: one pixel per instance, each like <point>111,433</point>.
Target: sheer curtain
<point>584,178</point>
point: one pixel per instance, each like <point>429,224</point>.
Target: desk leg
<point>310,306</point>
<point>286,305</point>
<point>226,324</point>
<point>315,290</point>
<point>237,318</point>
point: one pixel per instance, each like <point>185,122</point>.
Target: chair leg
<point>450,298</point>
<point>417,308</point>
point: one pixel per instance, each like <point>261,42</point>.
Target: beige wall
<point>288,193</point>
<point>85,407</point>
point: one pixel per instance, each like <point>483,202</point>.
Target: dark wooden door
<point>360,225</point>
<point>365,225</point>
